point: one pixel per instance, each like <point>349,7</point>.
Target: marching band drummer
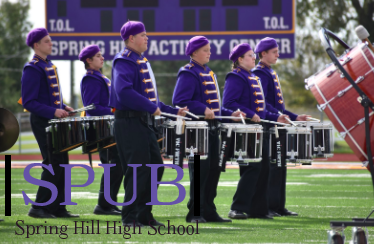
<point>243,91</point>
<point>41,96</point>
<point>268,51</point>
<point>95,89</point>
<point>197,89</point>
<point>135,98</point>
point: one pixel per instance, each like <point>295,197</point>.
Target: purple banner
<point>74,24</point>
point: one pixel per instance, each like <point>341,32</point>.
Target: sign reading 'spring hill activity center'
<point>74,24</point>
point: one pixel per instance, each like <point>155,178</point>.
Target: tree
<point>13,51</point>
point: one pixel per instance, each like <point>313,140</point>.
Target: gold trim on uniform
<point>152,99</point>
<point>57,102</point>
<point>149,90</point>
<point>208,83</point>
<point>141,61</point>
<point>147,80</point>
<point>201,74</point>
<point>48,68</point>
<point>212,101</point>
<point>215,109</point>
<point>55,94</point>
<point>198,64</point>
<point>280,101</point>
<point>51,77</point>
<point>54,85</point>
<point>258,109</point>
<point>210,91</point>
<point>143,71</point>
<point>259,101</point>
<point>279,94</point>
<point>253,86</point>
<point>257,93</point>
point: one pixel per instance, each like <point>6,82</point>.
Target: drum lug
<point>359,79</point>
<point>56,127</point>
<point>365,163</point>
<point>330,72</point>
<point>341,93</point>
<point>87,126</point>
<point>361,121</point>
<point>321,107</point>
<point>69,126</point>
<point>342,76</point>
<point>348,59</point>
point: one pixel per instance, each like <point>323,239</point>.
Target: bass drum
<point>339,100</point>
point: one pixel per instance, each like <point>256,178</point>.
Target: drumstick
<point>313,119</point>
<point>241,116</point>
<point>232,117</point>
<point>292,123</point>
<point>189,113</point>
<point>175,116</point>
<point>89,107</point>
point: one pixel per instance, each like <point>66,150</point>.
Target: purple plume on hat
<point>131,28</point>
<point>239,50</point>
<point>266,44</point>
<point>88,52</point>
<point>36,35</point>
<point>195,43</point>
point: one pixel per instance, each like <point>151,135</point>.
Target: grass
<point>319,196</point>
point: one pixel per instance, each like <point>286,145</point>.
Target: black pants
<point>209,177</point>
<point>251,194</point>
<point>116,175</point>
<point>277,179</point>
<point>38,125</point>
<point>137,144</point>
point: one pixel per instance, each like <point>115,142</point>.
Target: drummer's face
<point>271,56</point>
<point>96,62</point>
<point>248,60</point>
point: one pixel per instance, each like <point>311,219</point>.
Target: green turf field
<point>317,195</point>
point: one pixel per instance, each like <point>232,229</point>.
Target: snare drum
<point>247,141</point>
<point>67,134</point>
<point>296,144</point>
<point>196,138</point>
<point>106,133</point>
<point>159,120</point>
<point>322,140</point>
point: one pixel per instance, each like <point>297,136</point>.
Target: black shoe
<point>40,213</point>
<point>116,208</point>
<point>266,216</point>
<point>219,219</point>
<point>155,223</point>
<point>101,211</point>
<point>236,214</point>
<point>274,214</point>
<point>197,219</point>
<point>66,214</point>
<point>287,212</point>
<point>132,224</point>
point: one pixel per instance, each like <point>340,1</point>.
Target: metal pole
<point>73,102</point>
<point>20,130</point>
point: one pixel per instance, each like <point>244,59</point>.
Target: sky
<point>37,18</point>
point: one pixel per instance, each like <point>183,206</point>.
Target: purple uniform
<point>135,91</point>
<point>197,89</point>
<point>41,92</point>
<point>243,90</point>
<point>272,89</point>
<point>96,88</point>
